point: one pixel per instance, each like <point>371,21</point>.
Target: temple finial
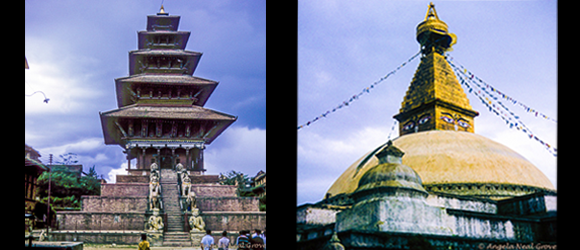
<point>431,12</point>
<point>162,12</point>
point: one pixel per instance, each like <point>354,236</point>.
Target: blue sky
<point>75,50</point>
<point>345,46</point>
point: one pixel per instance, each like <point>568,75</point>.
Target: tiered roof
<point>161,89</point>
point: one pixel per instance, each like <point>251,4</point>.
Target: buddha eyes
<point>447,119</point>
<point>412,124</point>
<point>424,119</point>
<point>409,125</point>
<point>463,124</point>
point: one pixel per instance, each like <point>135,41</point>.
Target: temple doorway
<point>166,159</point>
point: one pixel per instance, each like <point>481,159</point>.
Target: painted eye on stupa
<point>463,124</point>
<point>424,119</point>
<point>409,125</point>
<point>447,119</point>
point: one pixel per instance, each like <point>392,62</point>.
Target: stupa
<point>438,184</point>
<point>436,127</point>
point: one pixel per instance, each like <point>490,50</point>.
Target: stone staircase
<point>174,235</point>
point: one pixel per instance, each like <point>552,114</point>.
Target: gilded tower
<point>436,128</point>
<point>435,99</point>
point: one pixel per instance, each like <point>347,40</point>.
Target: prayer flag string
<point>356,96</point>
<point>501,94</point>
<point>392,129</point>
<point>496,106</point>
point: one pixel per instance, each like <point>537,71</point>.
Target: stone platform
<point>55,245</point>
<point>120,214</point>
<point>98,236</point>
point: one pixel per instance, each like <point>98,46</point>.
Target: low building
<point>259,184</point>
<point>33,168</point>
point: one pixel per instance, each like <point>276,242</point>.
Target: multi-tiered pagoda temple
<point>161,114</point>
<point>161,118</point>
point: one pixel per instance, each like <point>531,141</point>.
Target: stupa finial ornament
<point>431,12</point>
<point>433,34</point>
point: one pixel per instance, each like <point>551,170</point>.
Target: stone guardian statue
<point>187,191</point>
<point>155,223</point>
<point>154,193</point>
<point>196,222</point>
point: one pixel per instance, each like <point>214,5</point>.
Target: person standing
<point>243,241</point>
<point>144,244</point>
<point>264,237</point>
<point>257,241</point>
<point>224,242</point>
<point>207,240</point>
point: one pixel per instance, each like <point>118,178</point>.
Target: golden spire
<point>435,99</point>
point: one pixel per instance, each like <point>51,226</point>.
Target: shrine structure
<point>161,122</point>
<point>438,185</point>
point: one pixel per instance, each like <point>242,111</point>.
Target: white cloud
<point>112,177</point>
<point>322,158</point>
<point>238,148</point>
<point>518,141</point>
<point>79,147</point>
<point>89,152</point>
<point>66,89</point>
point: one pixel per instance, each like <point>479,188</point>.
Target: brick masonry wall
<point>114,204</point>
<point>228,204</point>
<point>234,221</point>
<point>125,189</point>
<point>132,178</point>
<point>213,190</point>
<point>96,221</point>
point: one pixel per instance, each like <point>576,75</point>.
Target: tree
<point>67,189</point>
<point>263,203</point>
<point>233,178</point>
<point>92,172</point>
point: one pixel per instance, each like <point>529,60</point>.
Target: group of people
<point>257,240</point>
<point>247,241</point>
